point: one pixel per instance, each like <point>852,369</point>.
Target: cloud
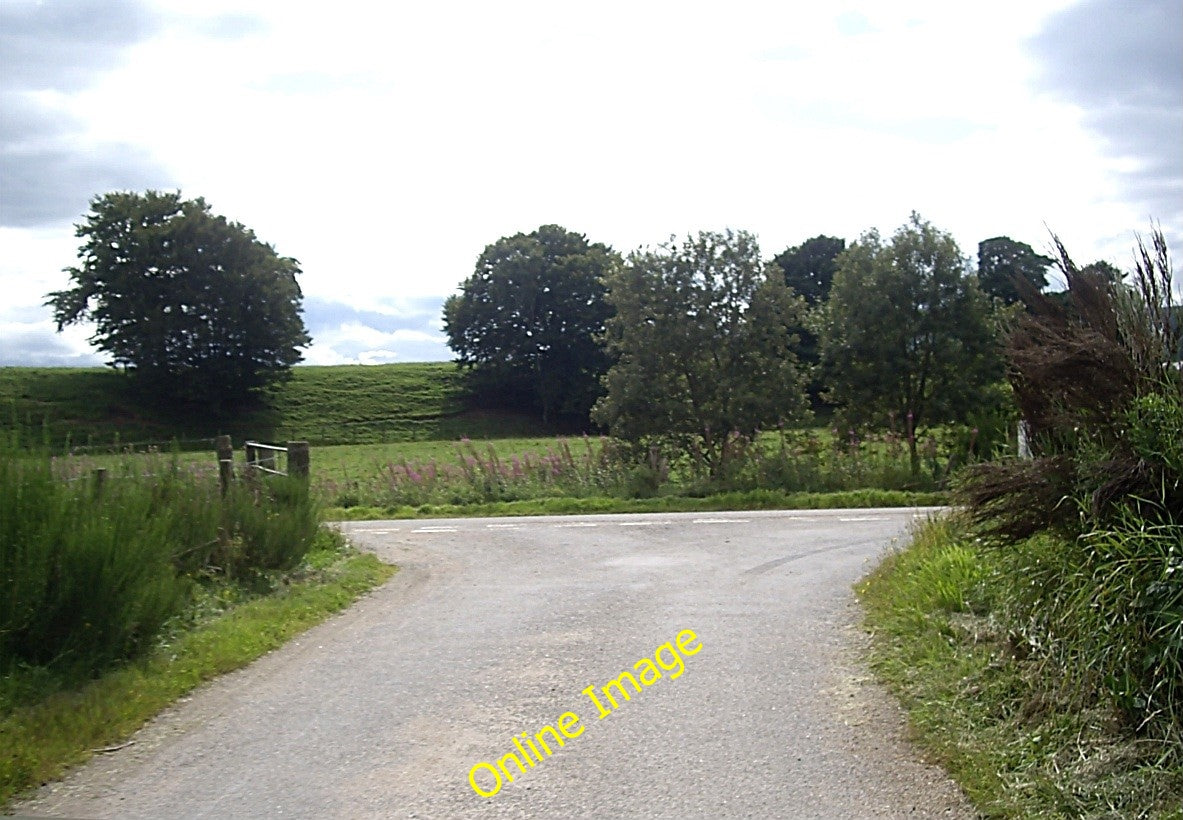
<point>385,314</point>
<point>54,183</point>
<point>62,45</point>
<point>49,168</point>
<point>230,26</point>
<point>37,344</point>
<point>407,331</point>
<point>1121,63</point>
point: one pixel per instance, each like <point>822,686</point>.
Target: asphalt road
<point>497,627</point>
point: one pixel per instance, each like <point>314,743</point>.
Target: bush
<point>86,583</point>
<point>1091,530</point>
<point>89,579</point>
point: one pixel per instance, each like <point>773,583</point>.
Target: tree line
<point>682,345</point>
<point>700,339</point>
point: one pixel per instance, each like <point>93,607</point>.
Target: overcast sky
<point>384,145</point>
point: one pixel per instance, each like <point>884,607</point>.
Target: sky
<point>385,145</point>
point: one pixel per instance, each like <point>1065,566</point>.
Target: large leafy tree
<point>527,322</point>
<point>702,346</point>
<point>1010,270</point>
<point>907,332</point>
<point>809,267</point>
<point>195,306</point>
<point>809,271</point>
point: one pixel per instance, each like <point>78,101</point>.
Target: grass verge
<point>749,500</point>
<point>39,741</point>
<point>997,722</point>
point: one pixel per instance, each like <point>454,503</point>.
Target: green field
<point>405,436</point>
<point>346,404</point>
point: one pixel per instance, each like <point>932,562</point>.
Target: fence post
<point>298,458</point>
<point>252,456</point>
<point>1024,440</point>
<point>225,451</point>
<point>100,476</point>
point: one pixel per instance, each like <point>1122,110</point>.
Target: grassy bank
<point>44,728</point>
<point>1021,737</point>
<point>340,404</point>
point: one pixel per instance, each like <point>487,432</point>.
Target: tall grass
<point>785,462</point>
<point>89,575</point>
<point>1023,734</point>
<point>1108,610</point>
<point>1090,531</point>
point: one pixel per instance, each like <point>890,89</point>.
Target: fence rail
<point>265,458</point>
<point>262,458</point>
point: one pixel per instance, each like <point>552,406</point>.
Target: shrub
<point>1091,530</point>
<point>86,583</point>
<point>88,579</point>
<point>1085,369</point>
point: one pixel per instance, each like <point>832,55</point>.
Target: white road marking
<point>435,529</point>
<point>376,532</point>
<point>640,523</point>
<point>866,518</point>
<point>721,520</point>
<point>578,524</point>
<point>502,526</point>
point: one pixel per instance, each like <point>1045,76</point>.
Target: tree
<point>809,267</point>
<point>701,340</point>
<point>197,308</point>
<point>906,333</point>
<point>1007,269</point>
<point>809,271</point>
<point>527,322</point>
<point>1107,271</point>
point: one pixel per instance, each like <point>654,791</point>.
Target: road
<point>498,627</point>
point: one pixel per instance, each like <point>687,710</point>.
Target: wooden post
<point>225,451</point>
<point>250,473</point>
<point>1024,440</point>
<point>100,476</point>
<point>298,458</point>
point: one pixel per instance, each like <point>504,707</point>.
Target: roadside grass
<point>567,505</point>
<point>1001,724</point>
<point>46,726</point>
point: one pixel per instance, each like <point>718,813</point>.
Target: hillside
<point>345,404</point>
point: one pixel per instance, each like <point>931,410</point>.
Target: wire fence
<point>144,447</point>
